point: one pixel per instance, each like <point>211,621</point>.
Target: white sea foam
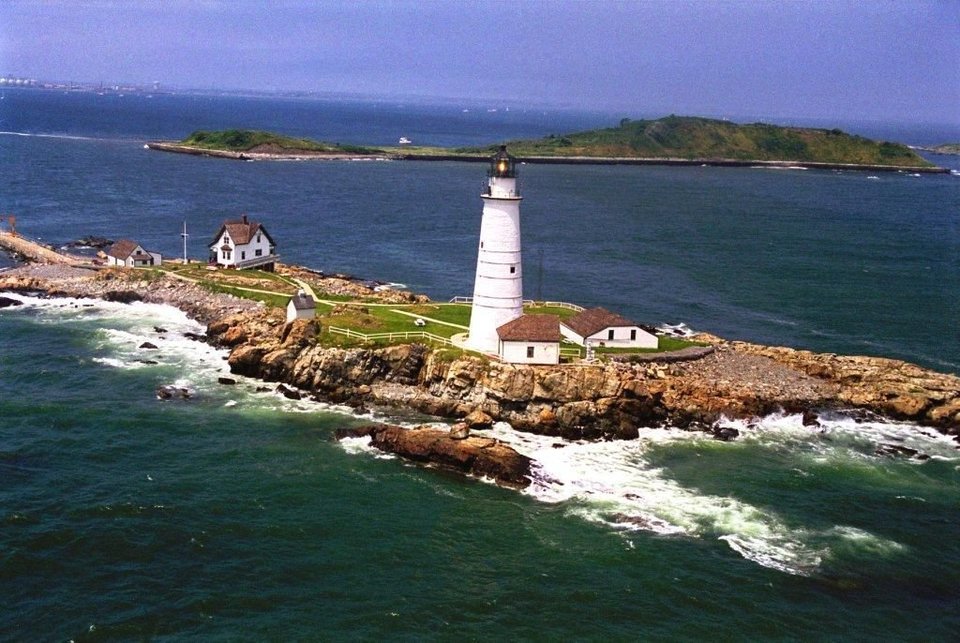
<point>841,437</point>
<point>611,483</point>
<point>66,137</point>
<point>362,445</point>
<point>614,483</point>
<point>117,332</point>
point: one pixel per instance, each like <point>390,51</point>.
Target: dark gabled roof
<point>241,231</point>
<point>593,320</point>
<point>531,328</point>
<point>122,249</point>
<point>303,301</point>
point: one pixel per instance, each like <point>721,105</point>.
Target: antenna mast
<point>184,235</point>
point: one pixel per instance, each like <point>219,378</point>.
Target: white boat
<point>875,178</point>
<point>405,141</point>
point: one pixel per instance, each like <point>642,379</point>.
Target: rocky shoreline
<point>399,155</point>
<point>616,400</point>
<point>274,155</point>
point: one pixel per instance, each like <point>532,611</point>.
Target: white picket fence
<point>391,337</point>
<point>527,302</point>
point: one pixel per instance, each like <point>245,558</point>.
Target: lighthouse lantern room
<point>498,287</point>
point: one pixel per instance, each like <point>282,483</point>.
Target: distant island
<point>257,145</point>
<point>944,148</point>
<point>672,140</point>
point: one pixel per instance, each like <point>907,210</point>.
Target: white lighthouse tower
<point>498,288</point>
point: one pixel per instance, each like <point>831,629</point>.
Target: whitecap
<point>362,445</point>
<point>615,484</point>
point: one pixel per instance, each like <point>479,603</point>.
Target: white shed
<point>131,254</point>
<point>301,306</point>
<point>530,339</point>
<point>604,328</point>
<point>243,244</point>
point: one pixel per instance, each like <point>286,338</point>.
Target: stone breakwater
<point>614,400</point>
<point>124,286</point>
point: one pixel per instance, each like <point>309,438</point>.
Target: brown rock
<point>472,455</point>
<point>908,406</point>
<point>478,420</point>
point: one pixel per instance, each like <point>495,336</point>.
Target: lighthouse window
<point>530,351</point>
<point>481,244</point>
<point>513,269</point>
<point>610,334</point>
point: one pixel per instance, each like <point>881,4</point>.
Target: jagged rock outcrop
<point>478,456</point>
<point>891,387</point>
<point>614,400</point>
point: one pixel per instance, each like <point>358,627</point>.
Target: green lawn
<point>382,319</point>
<point>562,313</point>
<point>373,319</point>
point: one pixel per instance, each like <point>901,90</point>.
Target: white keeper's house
<point>243,244</point>
<point>600,327</point>
<point>530,339</point>
<point>131,254</point>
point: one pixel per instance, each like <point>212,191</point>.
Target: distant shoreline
<point>309,155</point>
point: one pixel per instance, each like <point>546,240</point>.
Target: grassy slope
<point>703,138</point>
<point>236,140</point>
<point>684,137</point>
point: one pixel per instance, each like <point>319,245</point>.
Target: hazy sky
<point>879,59</point>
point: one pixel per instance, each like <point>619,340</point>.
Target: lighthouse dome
<point>503,165</point>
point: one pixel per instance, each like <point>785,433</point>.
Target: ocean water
<point>235,515</point>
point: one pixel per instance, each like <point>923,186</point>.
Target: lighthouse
<point>498,287</point>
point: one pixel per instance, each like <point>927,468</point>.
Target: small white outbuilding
<point>530,339</point>
<point>604,328</point>
<point>301,306</point>
<point>131,254</point>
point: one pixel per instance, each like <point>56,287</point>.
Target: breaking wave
<point>617,484</point>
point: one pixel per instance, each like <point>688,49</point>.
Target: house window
<point>226,254</point>
<point>610,334</point>
<point>258,237</point>
<point>513,269</point>
<point>259,252</point>
<point>481,244</point>
<point>243,255</point>
<point>529,352</point>
<point>633,334</point>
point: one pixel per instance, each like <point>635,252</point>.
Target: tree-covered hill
<point>687,137</point>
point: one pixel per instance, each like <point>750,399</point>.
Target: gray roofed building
<point>301,306</point>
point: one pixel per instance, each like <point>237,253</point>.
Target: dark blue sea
<point>235,516</point>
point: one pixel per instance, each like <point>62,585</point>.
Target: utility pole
<point>184,235</point>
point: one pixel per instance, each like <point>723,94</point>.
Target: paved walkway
<point>306,288</point>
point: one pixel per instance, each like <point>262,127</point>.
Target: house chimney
<point>244,218</point>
